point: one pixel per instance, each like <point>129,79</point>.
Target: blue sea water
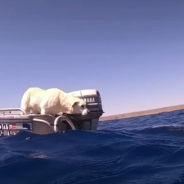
<point>143,150</point>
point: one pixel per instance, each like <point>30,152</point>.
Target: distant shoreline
<point>142,113</point>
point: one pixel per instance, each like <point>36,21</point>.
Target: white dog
<point>52,101</point>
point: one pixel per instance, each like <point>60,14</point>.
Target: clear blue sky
<point>132,51</point>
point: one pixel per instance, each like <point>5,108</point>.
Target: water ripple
<point>140,150</point>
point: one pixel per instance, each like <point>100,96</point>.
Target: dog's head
<point>79,107</point>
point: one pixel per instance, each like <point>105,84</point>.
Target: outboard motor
<point>92,98</point>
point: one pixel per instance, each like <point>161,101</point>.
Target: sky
<point>131,51</point>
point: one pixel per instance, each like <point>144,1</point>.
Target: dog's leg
<point>43,111</point>
<point>35,111</point>
<point>26,110</point>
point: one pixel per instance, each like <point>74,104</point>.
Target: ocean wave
<point>136,150</point>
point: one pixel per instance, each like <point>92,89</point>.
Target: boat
<point>14,120</point>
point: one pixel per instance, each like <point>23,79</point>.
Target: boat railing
<point>10,110</point>
<point>60,118</point>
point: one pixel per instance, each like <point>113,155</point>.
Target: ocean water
<point>143,150</point>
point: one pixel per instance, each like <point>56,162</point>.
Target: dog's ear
<point>73,104</point>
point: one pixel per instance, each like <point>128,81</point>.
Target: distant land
<point>142,113</point>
